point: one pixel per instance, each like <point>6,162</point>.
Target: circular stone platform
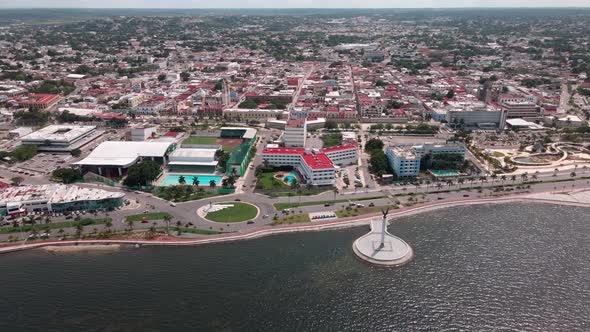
<point>395,251</point>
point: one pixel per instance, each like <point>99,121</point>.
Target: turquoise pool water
<point>291,177</point>
<point>444,172</point>
<point>204,180</point>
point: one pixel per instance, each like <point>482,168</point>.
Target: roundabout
<point>228,212</point>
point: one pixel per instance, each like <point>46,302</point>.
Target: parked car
<point>371,204</point>
<point>250,222</point>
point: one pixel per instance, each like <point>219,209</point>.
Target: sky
<point>288,3</point>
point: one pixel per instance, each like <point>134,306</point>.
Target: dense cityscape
<point>139,127</point>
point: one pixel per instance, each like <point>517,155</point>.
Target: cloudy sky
<point>289,3</point>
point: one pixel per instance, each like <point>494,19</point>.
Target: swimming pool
<point>204,180</point>
<point>444,172</point>
<point>291,177</point>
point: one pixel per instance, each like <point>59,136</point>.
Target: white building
<point>193,159</point>
<point>405,159</point>
<point>113,158</point>
<point>142,133</point>
<point>295,133</point>
<point>57,198</point>
<point>61,138</point>
<point>317,167</point>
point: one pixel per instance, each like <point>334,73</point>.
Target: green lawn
<point>237,213</point>
<point>199,231</point>
<point>200,140</point>
<point>266,181</point>
<point>331,140</point>
<point>149,216</point>
<point>292,219</point>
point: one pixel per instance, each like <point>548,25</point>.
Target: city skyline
<point>328,4</point>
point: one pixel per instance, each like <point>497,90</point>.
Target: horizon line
<point>288,8</point>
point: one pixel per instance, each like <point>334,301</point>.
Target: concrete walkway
<point>581,198</point>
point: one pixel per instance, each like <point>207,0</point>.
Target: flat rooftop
<point>58,133</point>
<point>123,154</point>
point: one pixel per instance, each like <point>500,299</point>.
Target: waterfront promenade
<point>574,198</point>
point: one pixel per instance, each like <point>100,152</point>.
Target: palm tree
<point>439,186</point>
<point>129,223</point>
<point>335,191</point>
<point>212,184</point>
<point>108,225</point>
<point>524,176</point>
<point>182,180</point>
<point>584,168</point>
<point>460,182</point>
<point>503,178</point>
<point>483,179</point>
<point>167,218</point>
<point>494,176</point>
<point>61,232</point>
<point>196,181</point>
<point>79,229</point>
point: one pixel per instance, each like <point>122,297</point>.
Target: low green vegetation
<point>142,173</point>
<point>331,140</point>
<point>198,231</point>
<point>292,219</point>
<point>267,181</point>
<point>38,227</point>
<point>33,117</point>
<point>444,161</point>
<point>183,193</point>
<point>379,164</point>
<point>66,175</point>
<point>55,87</point>
<point>21,153</point>
<point>282,206</point>
<point>149,216</point>
<point>237,213</point>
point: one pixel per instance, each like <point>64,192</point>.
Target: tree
<point>451,94</point>
<point>17,180</point>
<point>161,77</point>
<point>185,76</point>
<point>76,153</point>
<point>219,86</point>
<point>66,175</point>
<point>142,173</point>
<point>373,144</point>
<point>82,69</point>
<point>379,163</point>
<point>167,218</point>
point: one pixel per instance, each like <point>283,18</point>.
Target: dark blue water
<point>504,267</point>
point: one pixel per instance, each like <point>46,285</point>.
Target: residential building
<point>295,133</point>
<point>317,167</point>
<point>405,159</point>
